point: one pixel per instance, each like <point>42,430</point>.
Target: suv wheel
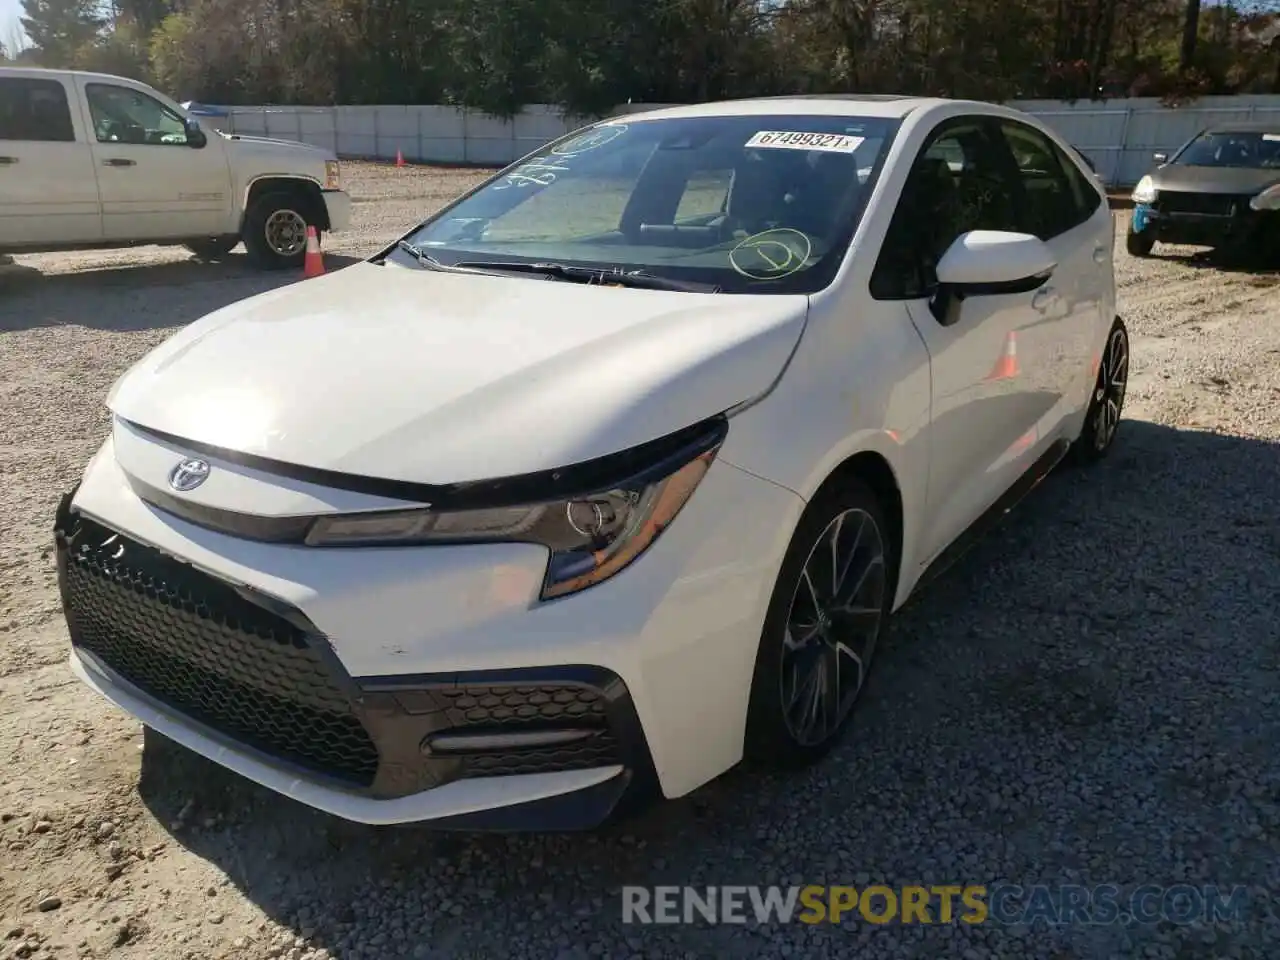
<point>1139,244</point>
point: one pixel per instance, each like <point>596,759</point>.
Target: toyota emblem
<point>188,474</point>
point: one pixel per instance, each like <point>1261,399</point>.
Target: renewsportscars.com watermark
<point>970,904</point>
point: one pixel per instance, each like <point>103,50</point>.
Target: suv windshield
<point>1226,149</point>
<point>748,204</point>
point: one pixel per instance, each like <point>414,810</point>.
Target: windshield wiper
<point>559,271</point>
<point>603,275</point>
<point>424,258</point>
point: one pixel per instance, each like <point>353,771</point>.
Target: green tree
<point>59,29</point>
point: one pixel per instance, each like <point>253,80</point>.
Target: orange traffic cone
<point>313,262</point>
<point>399,159</point>
<point>1007,365</point>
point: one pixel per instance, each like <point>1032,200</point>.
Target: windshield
<point>1225,149</point>
<point>749,204</point>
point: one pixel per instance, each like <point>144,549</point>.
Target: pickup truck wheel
<point>214,248</point>
<point>275,231</point>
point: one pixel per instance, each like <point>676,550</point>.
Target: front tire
<point>1106,403</point>
<point>1139,244</point>
<point>829,607</point>
<point>275,230</point>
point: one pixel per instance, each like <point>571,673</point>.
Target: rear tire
<point>275,230</point>
<point>213,249</point>
<point>1106,403</point>
<point>821,626</point>
<point>1139,244</point>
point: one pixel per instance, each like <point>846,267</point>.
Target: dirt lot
<point>1090,698</point>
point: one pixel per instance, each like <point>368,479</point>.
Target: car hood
<point>1212,179</point>
<point>417,375</point>
<point>270,145</point>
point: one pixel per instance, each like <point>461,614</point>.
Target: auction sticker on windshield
<point>793,140</point>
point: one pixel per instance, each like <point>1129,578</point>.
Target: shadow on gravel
<point>136,297</point>
<point>1042,713</point>
<point>1265,269</point>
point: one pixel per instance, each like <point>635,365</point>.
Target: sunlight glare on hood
<point>239,418</point>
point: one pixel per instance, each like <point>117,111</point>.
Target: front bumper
<point>1203,220</point>
<point>338,205</point>
<point>317,674</point>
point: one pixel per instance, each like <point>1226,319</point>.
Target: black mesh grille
<point>599,751</point>
<point>499,708</point>
<point>486,706</point>
<point>196,645</point>
<point>1214,204</point>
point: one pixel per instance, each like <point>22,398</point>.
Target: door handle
<point>1099,254</point>
<point>8,161</point>
<point>1044,296</point>
<point>119,162</point>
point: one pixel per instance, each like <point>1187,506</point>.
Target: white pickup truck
<point>90,160</point>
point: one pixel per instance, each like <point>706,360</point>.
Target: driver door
<point>986,355</point>
<point>153,184</point>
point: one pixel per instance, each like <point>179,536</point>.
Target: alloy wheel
<point>832,626</point>
<point>286,232</point>
<point>1108,398</point>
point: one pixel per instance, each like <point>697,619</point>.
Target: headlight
<point>590,538</point>
<point>1268,199</point>
<point>1145,191</point>
<point>332,175</point>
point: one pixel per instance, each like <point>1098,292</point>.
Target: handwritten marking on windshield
<point>543,171</point>
<point>777,253</point>
<point>592,140</point>
<point>536,171</point>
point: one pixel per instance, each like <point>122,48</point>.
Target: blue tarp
<point>203,109</point>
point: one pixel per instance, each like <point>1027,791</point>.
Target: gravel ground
<point>1089,698</point>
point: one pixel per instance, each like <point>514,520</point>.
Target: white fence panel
<point>1119,136</point>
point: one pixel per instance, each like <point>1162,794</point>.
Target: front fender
<point>855,385</point>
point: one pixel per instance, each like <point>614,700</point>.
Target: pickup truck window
<point>34,110</point>
<point>124,115</point>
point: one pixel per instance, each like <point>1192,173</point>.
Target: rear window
<point>34,110</point>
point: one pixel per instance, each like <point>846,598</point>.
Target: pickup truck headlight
<point>1268,199</point>
<point>332,175</point>
<point>1145,191</point>
<point>590,538</point>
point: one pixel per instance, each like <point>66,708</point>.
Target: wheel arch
<point>308,189</point>
<point>873,469</point>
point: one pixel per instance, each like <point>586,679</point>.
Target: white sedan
<point>606,475</point>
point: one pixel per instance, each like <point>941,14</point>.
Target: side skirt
<point>989,520</point>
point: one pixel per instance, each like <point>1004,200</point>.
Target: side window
<point>35,110</point>
<point>124,115</point>
<point>1052,205</point>
<point>958,183</point>
<point>1083,192</point>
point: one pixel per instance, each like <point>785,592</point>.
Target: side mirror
<point>195,134</point>
<point>989,263</point>
<point>1160,157</point>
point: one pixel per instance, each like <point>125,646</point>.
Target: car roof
<point>16,69</point>
<point>889,106</point>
